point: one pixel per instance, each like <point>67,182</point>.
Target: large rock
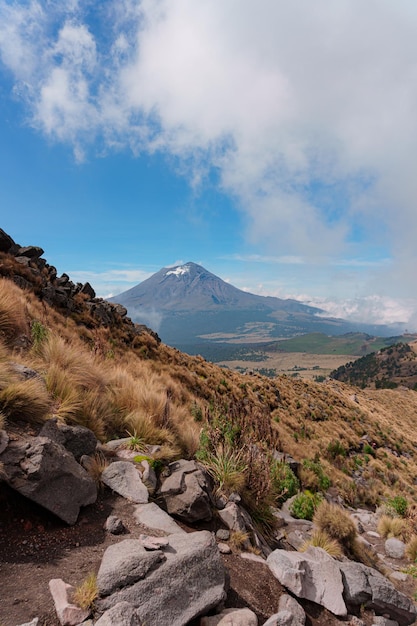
<point>122,614</point>
<point>395,548</point>
<point>313,575</point>
<point>186,492</point>
<point>46,473</point>
<point>153,517</point>
<point>365,586</point>
<point>188,583</point>
<point>124,563</point>
<point>78,440</point>
<point>124,479</point>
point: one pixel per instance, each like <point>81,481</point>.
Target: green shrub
<point>335,449</point>
<point>285,483</point>
<point>399,505</point>
<point>305,504</point>
<point>315,466</point>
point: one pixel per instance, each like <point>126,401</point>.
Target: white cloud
<point>306,110</point>
<point>111,282</point>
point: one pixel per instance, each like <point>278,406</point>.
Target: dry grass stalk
<point>336,522</point>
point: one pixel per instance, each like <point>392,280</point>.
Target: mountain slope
<point>189,305</point>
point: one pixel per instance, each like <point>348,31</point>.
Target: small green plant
<point>227,468</point>
<point>284,482</point>
<point>197,412</point>
<point>156,464</point>
<point>315,466</point>
<point>39,333</point>
<point>135,443</point>
<point>305,504</point>
<point>399,505</point>
<point>335,449</point>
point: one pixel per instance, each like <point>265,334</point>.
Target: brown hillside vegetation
<point>116,378</point>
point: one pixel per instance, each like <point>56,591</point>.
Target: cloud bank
<point>303,112</point>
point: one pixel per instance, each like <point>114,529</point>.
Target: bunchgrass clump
<point>86,593</point>
<point>239,539</point>
<point>336,522</point>
<point>411,548</point>
<point>392,527</point>
<point>227,468</point>
<point>321,539</point>
<point>25,400</point>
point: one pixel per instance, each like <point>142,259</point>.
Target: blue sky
<point>274,143</point>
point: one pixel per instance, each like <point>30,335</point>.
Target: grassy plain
<point>295,364</point>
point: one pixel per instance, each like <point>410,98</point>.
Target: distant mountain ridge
<point>190,287</point>
<point>188,305</point>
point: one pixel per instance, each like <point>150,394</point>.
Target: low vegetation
<point>121,382</point>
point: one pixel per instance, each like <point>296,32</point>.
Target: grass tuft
<point>86,593</point>
<point>336,522</point>
<point>321,539</point>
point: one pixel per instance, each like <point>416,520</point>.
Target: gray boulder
<point>124,479</point>
<point>364,585</point>
<point>46,473</point>
<point>153,517</point>
<point>78,440</point>
<point>186,492</point>
<point>395,548</point>
<point>123,564</point>
<point>122,614</point>
<point>313,575</point>
<point>290,613</point>
<point>188,583</point>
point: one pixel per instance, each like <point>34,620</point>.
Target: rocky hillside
<point>93,405</point>
<point>387,368</point>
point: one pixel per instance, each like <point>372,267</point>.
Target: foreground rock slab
<point>43,471</point>
<point>231,617</point>
<point>190,582</point>
<point>124,563</point>
<point>312,575</point>
<point>365,586</point>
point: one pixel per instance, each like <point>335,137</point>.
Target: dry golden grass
<point>392,527</point>
<point>321,539</point>
<point>336,522</point>
<point>26,400</point>
<point>239,539</point>
<point>13,312</point>
<point>411,548</point>
<point>86,593</point>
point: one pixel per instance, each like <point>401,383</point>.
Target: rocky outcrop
<point>365,586</point>
<point>78,440</point>
<point>312,575</point>
<point>45,472</point>
<point>33,273</point>
<point>189,582</point>
<point>186,492</point>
